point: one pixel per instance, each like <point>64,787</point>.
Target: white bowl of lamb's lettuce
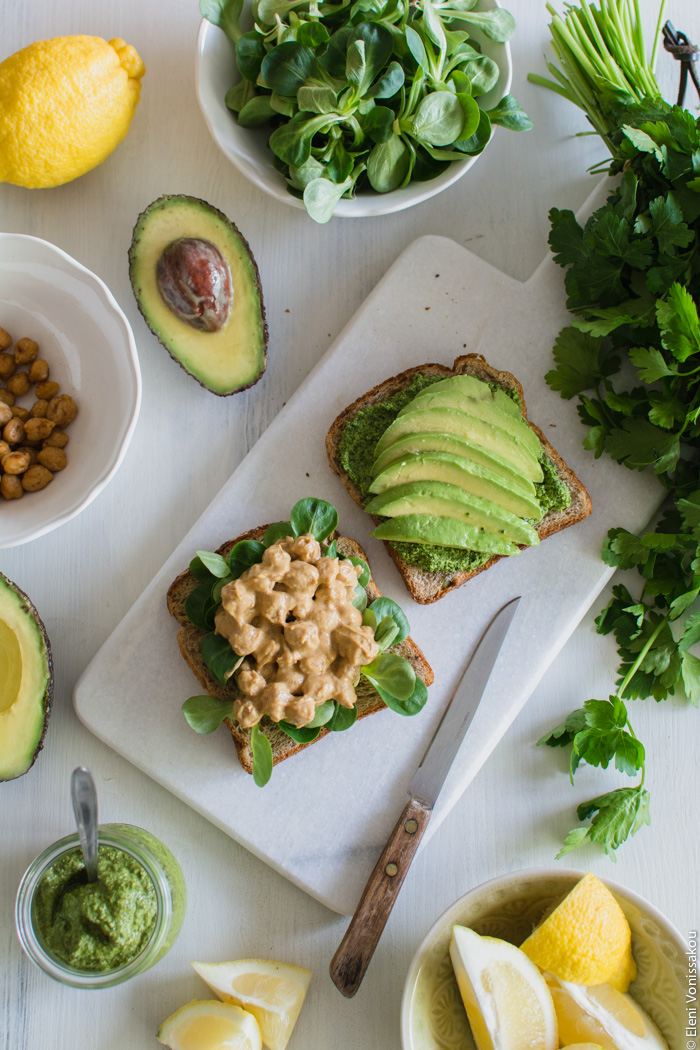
<point>357,108</point>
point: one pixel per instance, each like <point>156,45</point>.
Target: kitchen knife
<point>362,935</point>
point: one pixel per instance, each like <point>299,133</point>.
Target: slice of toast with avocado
<point>189,639</point>
<point>452,471</point>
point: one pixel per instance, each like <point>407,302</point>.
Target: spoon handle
<point>84,796</point>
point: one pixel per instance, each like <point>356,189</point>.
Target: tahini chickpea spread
<point>293,620</point>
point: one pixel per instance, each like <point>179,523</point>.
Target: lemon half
<point>65,104</point>
<point>272,991</point>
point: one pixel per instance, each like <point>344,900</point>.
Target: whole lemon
<point>65,104</point>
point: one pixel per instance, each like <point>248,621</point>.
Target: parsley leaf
<point>618,814</point>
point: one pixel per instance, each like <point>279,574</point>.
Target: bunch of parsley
<point>632,358</point>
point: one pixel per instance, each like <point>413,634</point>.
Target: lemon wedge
<point>602,1015</point>
<point>210,1025</point>
<point>586,939</point>
<point>272,991</point>
<point>507,1000</point>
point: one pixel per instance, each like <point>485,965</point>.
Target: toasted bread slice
<point>425,586</point>
<point>189,637</point>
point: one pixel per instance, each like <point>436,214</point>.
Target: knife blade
<point>355,951</point>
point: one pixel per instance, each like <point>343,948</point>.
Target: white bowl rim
<point>132,361</point>
<point>640,902</point>
<point>365,205</point>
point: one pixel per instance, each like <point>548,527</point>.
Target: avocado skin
<point>143,300</point>
<point>13,602</point>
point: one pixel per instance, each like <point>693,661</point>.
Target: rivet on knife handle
<point>352,958</point>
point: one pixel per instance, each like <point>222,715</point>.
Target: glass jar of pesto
<point>95,935</point>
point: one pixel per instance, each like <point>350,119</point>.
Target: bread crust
<point>189,637</point>
<point>424,586</point>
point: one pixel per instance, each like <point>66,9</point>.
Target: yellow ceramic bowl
<point>432,1015</point>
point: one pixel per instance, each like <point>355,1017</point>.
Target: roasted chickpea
<point>57,439</point>
<point>5,413</point>
<point>36,478</point>
<point>5,340</point>
<point>38,409</point>
<point>39,371</point>
<point>47,390</point>
<point>38,429</point>
<point>18,384</point>
<point>20,412</point>
<point>32,452</point>
<point>4,449</point>
<point>7,366</point>
<point>52,458</point>
<point>61,410</point>
<point>13,432</point>
<point>26,350</point>
<point>6,397</point>
<point>16,462</point>
<point>11,486</point>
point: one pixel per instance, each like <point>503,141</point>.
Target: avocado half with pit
<point>198,287</point>
<point>26,681</point>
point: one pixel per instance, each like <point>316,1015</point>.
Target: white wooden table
<point>85,575</point>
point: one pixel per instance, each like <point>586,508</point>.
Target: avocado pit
<point>194,281</point>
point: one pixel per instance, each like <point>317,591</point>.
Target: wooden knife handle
<point>356,949</point>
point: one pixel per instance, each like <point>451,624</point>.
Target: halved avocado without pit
<point>26,681</point>
<point>198,288</point>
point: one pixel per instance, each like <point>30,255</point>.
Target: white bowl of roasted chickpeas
<point>70,387</point>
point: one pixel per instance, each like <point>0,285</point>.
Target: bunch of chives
<point>603,56</point>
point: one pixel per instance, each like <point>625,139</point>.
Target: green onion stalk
<point>603,60</point>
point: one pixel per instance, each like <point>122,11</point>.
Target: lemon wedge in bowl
<point>272,991</point>
<point>210,1025</point>
<point>602,1015</point>
<point>586,939</point>
<point>507,1000</point>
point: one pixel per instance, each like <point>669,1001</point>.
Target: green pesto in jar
<point>96,926</point>
<point>356,448</point>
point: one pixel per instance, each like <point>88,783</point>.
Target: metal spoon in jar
<point>84,796</point>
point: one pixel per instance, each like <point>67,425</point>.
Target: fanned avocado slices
<point>26,681</point>
<point>484,432</point>
<point>464,474</point>
<point>198,287</point>
<point>449,501</point>
<point>436,442</point>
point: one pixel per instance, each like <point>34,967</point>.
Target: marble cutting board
<point>325,815</point>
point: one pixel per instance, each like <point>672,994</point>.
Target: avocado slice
<point>448,501</point>
<point>480,408</point>
<point>26,682</point>
<point>489,435</point>
<point>437,442</point>
<point>198,287</point>
<point>443,532</point>
<point>455,470</point>
<point>476,389</point>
